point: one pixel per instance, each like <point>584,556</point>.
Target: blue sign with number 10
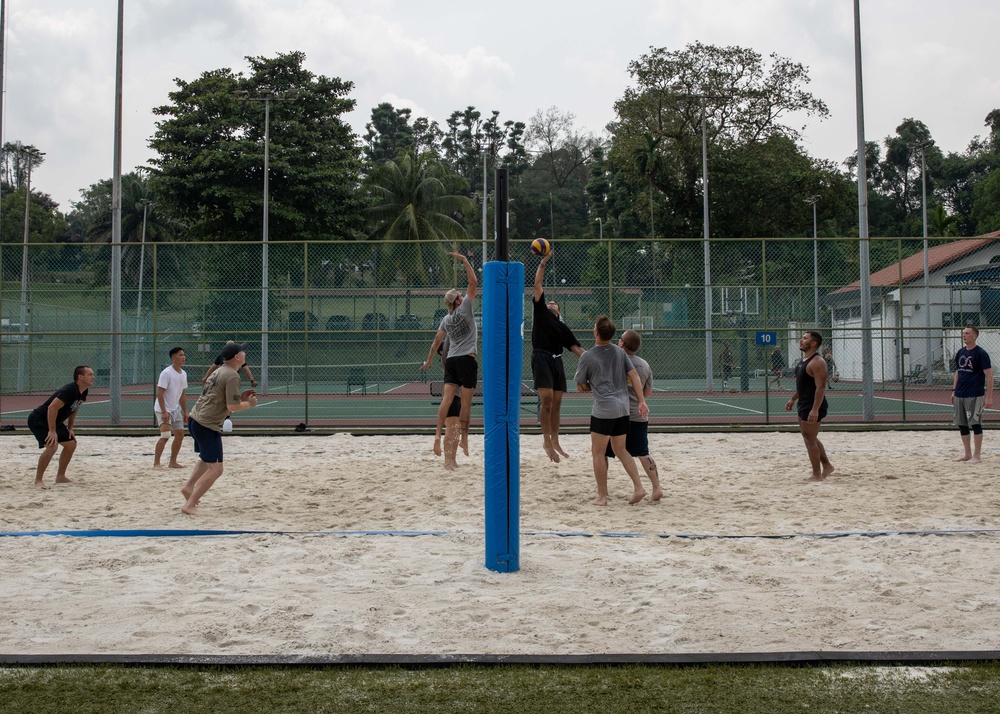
<point>767,338</point>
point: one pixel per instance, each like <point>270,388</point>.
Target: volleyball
<point>540,247</point>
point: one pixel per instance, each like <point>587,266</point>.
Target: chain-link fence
<point>348,325</point>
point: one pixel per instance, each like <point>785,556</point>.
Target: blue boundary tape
<point>178,532</point>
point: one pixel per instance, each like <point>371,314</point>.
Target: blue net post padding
<point>503,338</point>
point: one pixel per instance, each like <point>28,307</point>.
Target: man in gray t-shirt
<point>461,371</point>
<point>605,370</point>
<point>637,441</point>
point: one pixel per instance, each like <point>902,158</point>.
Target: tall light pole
<point>867,385</point>
<point>600,226</point>
<point>267,96</point>
<point>33,155</point>
<point>814,200</point>
<point>115,362</point>
<point>146,203</point>
<point>708,263</point>
<point>921,146</point>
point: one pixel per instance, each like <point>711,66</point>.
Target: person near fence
<point>777,366</point>
<point>220,396</point>
<point>605,371</point>
<point>461,370</point>
<point>972,391</point>
<point>52,424</point>
<point>170,407</point>
<point>637,439</point>
<point>726,360</point>
<point>810,392</point>
<point>218,363</point>
<point>549,337</point>
<point>831,368</point>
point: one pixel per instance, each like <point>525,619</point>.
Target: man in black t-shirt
<point>52,424</point>
<point>549,337</point>
<point>218,363</point>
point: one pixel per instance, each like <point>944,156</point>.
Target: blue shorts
<point>207,442</point>
<point>637,441</point>
<point>609,427</point>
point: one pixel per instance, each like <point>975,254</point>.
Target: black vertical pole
<point>502,191</point>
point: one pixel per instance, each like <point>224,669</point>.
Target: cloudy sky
<point>932,61</point>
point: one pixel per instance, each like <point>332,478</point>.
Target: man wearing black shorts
<point>810,391</point>
<point>605,371</point>
<point>52,424</point>
<point>549,337</point>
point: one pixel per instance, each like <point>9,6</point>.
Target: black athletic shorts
<point>637,441</point>
<point>462,370</point>
<point>40,428</point>
<point>455,409</point>
<point>806,407</point>
<point>548,370</point>
<point>610,427</point>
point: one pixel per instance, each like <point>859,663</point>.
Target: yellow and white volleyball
<point>540,247</point>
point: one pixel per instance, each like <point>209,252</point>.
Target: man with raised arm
<point>549,337</point>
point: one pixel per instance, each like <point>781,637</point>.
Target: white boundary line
<point>730,406</point>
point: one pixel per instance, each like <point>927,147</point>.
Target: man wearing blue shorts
<point>220,396</point>
<point>604,371</point>
<point>637,441</point>
<point>972,391</point>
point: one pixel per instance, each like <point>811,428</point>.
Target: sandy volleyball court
<point>308,592</point>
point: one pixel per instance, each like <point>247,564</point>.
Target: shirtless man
<point>810,389</point>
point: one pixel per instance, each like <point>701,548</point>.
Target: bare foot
<point>827,470</point>
<point>599,502</point>
<point>63,479</point>
<point>657,494</point>
<point>637,496</point>
<point>464,443</point>
<point>551,453</point>
<point>40,485</point>
<point>437,446</point>
<point>816,477</point>
<point>157,467</point>
<point>450,465</point>
<point>176,465</point>
<point>967,457</point>
<point>975,460</point>
<point>559,449</point>
<point>189,510</point>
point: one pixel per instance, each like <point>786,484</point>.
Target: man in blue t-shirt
<point>971,393</point>
<point>52,424</point>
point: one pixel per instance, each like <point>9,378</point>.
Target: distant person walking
<point>549,337</point>
<point>972,392</point>
<point>777,366</point>
<point>605,370</point>
<point>170,408</point>
<point>726,360</point>
<point>810,392</point>
<point>52,424</point>
<point>637,440</point>
<point>220,396</point>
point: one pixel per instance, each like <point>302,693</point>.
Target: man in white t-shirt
<point>170,408</point>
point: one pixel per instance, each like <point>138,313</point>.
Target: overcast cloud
<point>928,60</point>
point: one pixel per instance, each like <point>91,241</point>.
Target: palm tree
<point>415,200</point>
<point>939,223</point>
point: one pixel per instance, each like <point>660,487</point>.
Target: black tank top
<point>805,385</point>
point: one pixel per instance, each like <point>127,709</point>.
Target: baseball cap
<point>230,351</point>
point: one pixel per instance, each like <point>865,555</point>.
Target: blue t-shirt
<point>970,366</point>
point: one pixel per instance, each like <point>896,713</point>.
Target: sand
<point>310,591</point>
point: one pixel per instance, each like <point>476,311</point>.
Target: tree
<point>210,154</point>
<point>416,201</point>
<point>939,223</point>
<point>389,133</point>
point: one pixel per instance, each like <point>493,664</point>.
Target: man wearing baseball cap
<point>220,396</point>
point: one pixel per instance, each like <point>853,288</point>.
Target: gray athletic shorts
<point>176,419</point>
<point>969,411</point>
